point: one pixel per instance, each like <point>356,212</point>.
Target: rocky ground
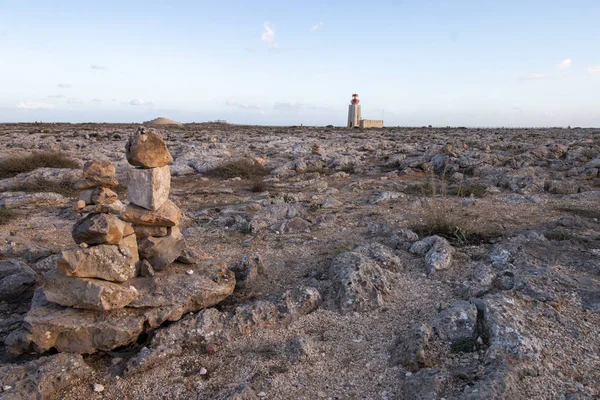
<point>379,264</point>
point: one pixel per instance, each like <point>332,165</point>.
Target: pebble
<point>98,388</point>
<point>203,371</point>
<point>211,348</point>
<point>189,272</point>
<point>6,387</point>
<point>261,394</point>
<point>408,374</point>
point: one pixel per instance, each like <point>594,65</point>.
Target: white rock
<point>189,272</point>
<point>203,371</point>
<point>98,388</point>
<point>149,188</point>
<point>261,394</point>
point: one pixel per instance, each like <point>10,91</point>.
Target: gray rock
<point>16,277</point>
<point>562,187</point>
<point>404,238</point>
<point>43,378</point>
<point>359,283</point>
<point>300,349</point>
<point>167,215</point>
<point>383,255</point>
<point>162,251</point>
<point>457,323</point>
<point>99,229</point>
<point>427,384</point>
<point>420,247</point>
<point>247,271</point>
<point>149,188</point>
<point>410,350</point>
<point>439,256</point>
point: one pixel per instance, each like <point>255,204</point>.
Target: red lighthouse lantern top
<point>355,98</point>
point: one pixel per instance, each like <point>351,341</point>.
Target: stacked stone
<point>153,215</point>
<point>92,276</point>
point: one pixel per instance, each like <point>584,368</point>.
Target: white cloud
<point>288,106</point>
<point>96,66</point>
<point>564,64</point>
<point>316,27</point>
<point>534,77</point>
<point>245,105</point>
<point>594,70</point>
<point>34,105</point>
<point>268,36</point>
<point>64,85</point>
<point>73,100</point>
<point>139,102</point>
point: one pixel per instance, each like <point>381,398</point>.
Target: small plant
<point>64,187</point>
<point>244,168</point>
<point>6,215</point>
<point>11,166</point>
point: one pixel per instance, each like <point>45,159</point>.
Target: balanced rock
<point>108,262</point>
<point>104,169</point>
<point>146,149</point>
<point>149,188</point>
<point>142,231</point>
<point>113,208</point>
<point>99,229</point>
<point>96,181</point>
<point>167,215</point>
<point>160,252</point>
<point>91,294</point>
<point>102,195</point>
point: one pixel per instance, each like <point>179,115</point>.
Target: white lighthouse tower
<point>354,112</point>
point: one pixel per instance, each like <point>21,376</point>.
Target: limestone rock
<point>410,349</point>
<point>33,200</point>
<point>131,242</point>
<point>457,323</point>
<point>165,297</point>
<point>115,208</point>
<point>146,148</point>
<point>108,262</point>
<point>162,251</point>
<point>98,229</point>
<point>439,256</point>
<point>95,181</point>
<point>359,283</point>
<point>149,188</point>
<point>15,278</point>
<point>43,378</point>
<point>167,215</point>
<point>247,270</point>
<point>142,231</point>
<point>103,169</point>
<point>103,196</point>
<point>91,294</point>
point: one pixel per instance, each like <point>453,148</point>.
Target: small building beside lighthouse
<point>354,116</point>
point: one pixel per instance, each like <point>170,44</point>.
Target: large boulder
<point>16,277</point>
<point>167,296</point>
<point>91,294</point>
<point>99,229</point>
<point>166,215</point>
<point>160,252</point>
<point>146,148</point>
<point>108,262</point>
<point>149,188</point>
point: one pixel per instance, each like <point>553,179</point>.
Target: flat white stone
<point>149,188</point>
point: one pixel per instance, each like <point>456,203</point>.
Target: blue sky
<point>439,62</point>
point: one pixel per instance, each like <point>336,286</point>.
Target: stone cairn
<point>116,284</point>
<point>153,215</point>
<point>91,276</point>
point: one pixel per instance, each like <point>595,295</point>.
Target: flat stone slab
<point>108,262</point>
<point>90,294</point>
<point>167,215</point>
<point>99,229</point>
<point>149,188</point>
<point>166,296</point>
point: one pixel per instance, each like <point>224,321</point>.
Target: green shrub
<point>244,168</point>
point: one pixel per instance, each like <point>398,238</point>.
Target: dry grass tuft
<point>11,166</point>
<point>64,187</point>
<point>6,216</point>
<point>259,186</point>
<point>442,217</point>
<point>244,168</point>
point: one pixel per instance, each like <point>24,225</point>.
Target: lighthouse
<point>354,112</point>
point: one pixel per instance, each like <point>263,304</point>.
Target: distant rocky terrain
<point>307,263</point>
